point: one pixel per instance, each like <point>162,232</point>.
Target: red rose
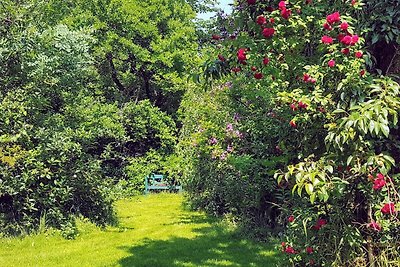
<point>268,32</point>
<point>215,37</point>
<point>221,57</point>
<point>293,106</point>
<point>291,218</point>
<point>251,2</point>
<point>272,20</point>
<point>326,39</point>
<point>309,250</point>
<point>333,18</point>
<point>319,224</point>
<point>236,69</point>
<point>354,39</point>
<point>346,51</point>
<point>362,73</point>
<point>270,9</point>
<point>261,20</point>
<point>258,75</point>
<point>379,182</point>
<point>282,5</point>
<point>331,63</point>
<point>306,77</point>
<point>290,250</point>
<point>359,54</point>
<point>327,26</point>
<point>344,26</point>
<point>286,13</point>
<point>265,61</point>
<point>375,226</point>
<point>388,208</point>
<point>253,68</point>
<point>346,40</point>
<point>302,105</point>
<point>308,2</point>
<point>283,244</point>
<point>293,124</point>
<point>340,37</point>
<point>241,54</point>
<point>353,2</point>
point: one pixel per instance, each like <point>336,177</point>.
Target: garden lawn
<point>154,230</point>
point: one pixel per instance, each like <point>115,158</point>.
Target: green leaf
<point>309,188</point>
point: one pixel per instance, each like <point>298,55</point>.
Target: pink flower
<point>291,218</point>
<point>268,32</point>
<point>327,26</point>
<point>229,127</point>
<point>344,26</point>
<point>241,54</point>
<point>358,54</point>
<point>326,39</point>
<point>265,61</point>
<point>346,40</point>
<point>293,106</point>
<point>362,73</point>
<point>388,208</point>
<point>261,20</point>
<point>309,250</point>
<point>293,124</point>
<point>375,226</point>
<point>319,224</point>
<point>215,37</point>
<point>331,63</point>
<point>282,5</point>
<point>302,105</point>
<point>286,13</point>
<point>379,182</point>
<point>213,141</point>
<point>290,250</point>
<point>306,77</point>
<point>345,51</point>
<point>354,39</point>
<point>221,57</point>
<point>333,18</point>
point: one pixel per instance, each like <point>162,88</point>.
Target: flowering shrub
<point>331,137</point>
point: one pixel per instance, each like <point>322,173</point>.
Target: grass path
<point>154,231</point>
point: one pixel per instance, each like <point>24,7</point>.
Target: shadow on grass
<point>213,246</point>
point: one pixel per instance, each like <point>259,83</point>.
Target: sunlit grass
<point>154,230</point>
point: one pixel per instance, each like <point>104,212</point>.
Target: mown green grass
<point>154,230</point>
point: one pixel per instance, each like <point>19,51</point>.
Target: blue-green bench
<point>158,182</point>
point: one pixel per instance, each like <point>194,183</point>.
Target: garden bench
<point>158,182</point>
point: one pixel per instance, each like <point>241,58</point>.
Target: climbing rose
<point>346,40</point>
<point>283,244</point>
<point>265,61</point>
<point>375,226</point>
<point>331,63</point>
<point>344,26</point>
<point>251,2</point>
<point>319,224</point>
<point>286,13</point>
<point>291,218</point>
<point>306,77</point>
<point>236,69</point>
<point>261,20</point>
<point>253,68</point>
<point>346,51</point>
<point>353,2</point>
<point>221,57</point>
<point>215,37</point>
<point>272,20</point>
<point>388,208</point>
<point>302,105</point>
<point>359,54</point>
<point>333,18</point>
<point>268,32</point>
<point>258,75</point>
<point>241,54</point>
<point>290,250</point>
<point>379,182</point>
<point>327,26</point>
<point>326,39</point>
<point>354,39</point>
<point>293,106</point>
<point>309,250</point>
<point>362,73</point>
<point>282,5</point>
<point>293,124</point>
<point>229,127</point>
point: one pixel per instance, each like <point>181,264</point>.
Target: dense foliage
<point>88,96</point>
<point>295,129</point>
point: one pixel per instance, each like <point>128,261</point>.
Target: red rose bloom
<point>265,61</point>
<point>388,208</point>
<point>344,26</point>
<point>258,75</point>
<point>272,20</point>
<point>283,244</point>
<point>375,226</point>
<point>362,73</point>
<point>270,9</point>
<point>282,5</point>
<point>221,57</point>
<point>286,13</point>
<point>346,51</point>
<point>333,18</point>
<point>306,77</point>
<point>359,54</point>
<point>326,39</point>
<point>379,182</point>
<point>353,2</point>
<point>346,40</point>
<point>253,68</point>
<point>293,124</point>
<point>215,37</point>
<point>268,32</point>
<point>331,63</point>
<point>261,20</point>
<point>327,26</point>
<point>290,250</point>
<point>293,106</point>
<point>309,250</point>
<point>236,69</point>
<point>354,39</point>
<point>340,37</point>
<point>241,54</point>
<point>291,218</point>
<point>319,224</point>
<point>302,105</point>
